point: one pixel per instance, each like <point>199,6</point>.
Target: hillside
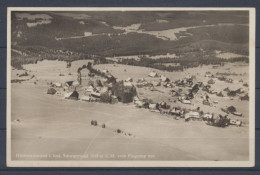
<point>84,34</point>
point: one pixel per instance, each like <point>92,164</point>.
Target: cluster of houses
<point>100,89</point>
<point>187,115</point>
<point>193,86</point>
<point>91,93</point>
<point>103,92</point>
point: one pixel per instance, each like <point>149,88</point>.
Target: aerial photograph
<point>129,85</point>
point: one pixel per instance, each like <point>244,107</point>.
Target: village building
<point>186,101</point>
<point>129,79</point>
<point>57,85</point>
<point>128,84</point>
<point>192,115</point>
<point>209,75</point>
<point>114,99</point>
<point>189,96</point>
<point>245,84</point>
<point>206,88</point>
<point>176,111</point>
<point>156,83</point>
<point>69,83</point>
<point>153,106</point>
<point>84,74</point>
<point>95,94</point>
<point>237,114</point>
<point>75,83</point>
<point>220,94</point>
<point>236,122</point>
<point>195,88</point>
<point>232,93</point>
<point>167,85</point>
<point>173,93</point>
<point>206,102</point>
<point>164,79</point>
<point>98,83</point>
<point>104,89</point>
<point>135,99</point>
<point>208,117</point>
<point>226,89</point>
<point>105,71</point>
<point>153,74</point>
<point>98,89</point>
<point>90,88</point>
<point>51,91</point>
<point>215,101</point>
<point>139,103</point>
<point>211,81</point>
<point>74,95</point>
<point>229,80</point>
<point>85,98</point>
<point>91,74</point>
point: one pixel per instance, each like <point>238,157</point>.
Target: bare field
<point>52,128</point>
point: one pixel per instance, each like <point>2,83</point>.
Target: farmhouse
<point>128,84</point>
<point>163,105</point>
<point>156,83</point>
<point>153,106</point>
<point>69,83</point>
<point>232,93</point>
<point>75,83</point>
<point>98,83</point>
<point>136,99</point>
<point>173,93</point>
<point>192,115</point>
<point>226,89</point>
<point>105,71</point>
<point>235,122</point>
<point>85,98</point>
<point>57,84</point>
<point>195,88</point>
<point>164,79</point>
<point>90,89</point>
<point>189,96</point>
<point>129,79</point>
<point>245,84</point>
<point>229,80</point>
<point>74,95</point>
<point>95,94</point>
<point>51,91</point>
<point>167,85</point>
<point>138,102</point>
<point>205,102</point>
<point>189,82</point>
<point>153,74</point>
<point>104,89</point>
<point>186,101</point>
<point>176,111</point>
<point>209,75</point>
<point>208,117</point>
<point>237,114</point>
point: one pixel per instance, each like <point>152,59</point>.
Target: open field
<point>53,128</point>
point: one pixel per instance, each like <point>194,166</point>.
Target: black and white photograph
<point>130,87</point>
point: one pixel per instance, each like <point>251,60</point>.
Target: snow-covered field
<point>59,129</point>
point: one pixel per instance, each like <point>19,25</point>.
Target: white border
<point>249,163</point>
